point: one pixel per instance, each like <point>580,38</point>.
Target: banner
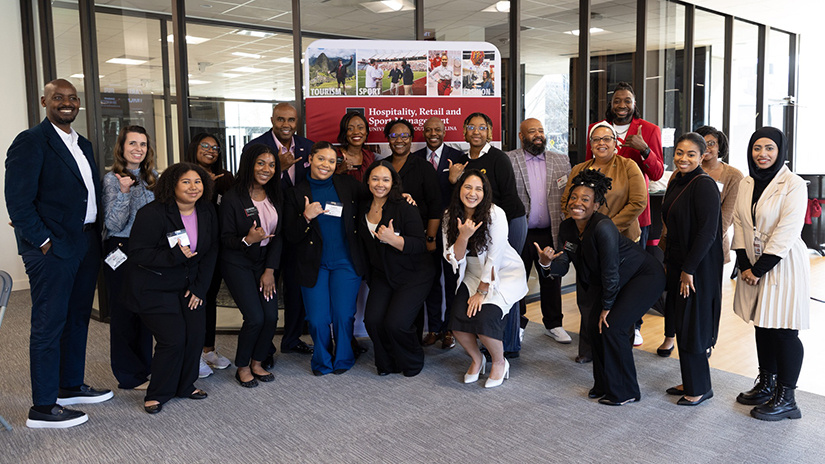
<point>387,80</point>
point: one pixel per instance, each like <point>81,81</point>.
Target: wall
<point>12,122</point>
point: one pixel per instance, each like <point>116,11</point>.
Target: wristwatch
<point>430,238</point>
<point>645,153</point>
<point>484,293</point>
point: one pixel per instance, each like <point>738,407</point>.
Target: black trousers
<point>549,288</point>
<point>179,337</point>
<point>780,352</point>
<point>294,313</point>
<point>130,343</point>
<point>614,371</point>
<point>389,317</point>
<point>695,373</point>
<point>435,322</point>
<point>260,317</point>
<point>210,304</point>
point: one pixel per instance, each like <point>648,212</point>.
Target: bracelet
<point>484,293</point>
<point>245,242</point>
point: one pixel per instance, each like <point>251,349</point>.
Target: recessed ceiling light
<point>246,69</point>
<point>197,82</point>
<point>80,76</point>
<point>394,5</point>
<point>503,7</point>
<point>283,59</point>
<point>190,39</point>
<point>229,75</point>
<point>247,55</point>
<point>593,30</point>
<point>126,61</point>
<point>259,34</point>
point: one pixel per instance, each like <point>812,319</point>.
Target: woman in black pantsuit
<point>400,272</point>
<point>172,252</point>
<point>691,211</point>
<point>621,279</point>
<point>251,219</point>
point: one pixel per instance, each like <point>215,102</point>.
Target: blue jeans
<point>512,323</point>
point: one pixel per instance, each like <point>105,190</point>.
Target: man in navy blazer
<point>53,197</point>
<point>439,156</point>
<point>293,153</point>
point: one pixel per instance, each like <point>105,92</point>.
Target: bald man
<point>541,176</point>
<point>53,197</point>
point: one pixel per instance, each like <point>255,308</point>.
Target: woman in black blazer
<point>320,222</point>
<point>619,277</point>
<point>400,272</point>
<point>251,219</point>
<point>172,252</point>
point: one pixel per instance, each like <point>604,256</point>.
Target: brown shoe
<point>430,338</point>
<point>448,341</point>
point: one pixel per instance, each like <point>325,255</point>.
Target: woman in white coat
<point>774,273</point>
<point>490,274</point>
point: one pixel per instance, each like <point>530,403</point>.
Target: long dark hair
<point>721,140</point>
<point>609,115</point>
<point>147,166</point>
<point>342,130</point>
<point>192,152</point>
<point>165,188</point>
<point>395,190</point>
<point>245,177</point>
<point>478,242</point>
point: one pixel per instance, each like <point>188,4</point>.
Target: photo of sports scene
<point>382,72</point>
<point>331,72</point>
<point>478,73</point>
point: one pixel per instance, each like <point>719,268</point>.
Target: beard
<point>536,146</point>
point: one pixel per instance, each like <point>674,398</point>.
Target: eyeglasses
<point>711,143</point>
<point>403,135</point>
<point>206,146</point>
<point>605,139</point>
<point>481,128</point>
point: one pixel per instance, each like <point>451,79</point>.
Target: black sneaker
<point>58,418</point>
<point>86,395</point>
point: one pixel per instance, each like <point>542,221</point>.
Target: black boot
<point>762,391</point>
<point>781,406</point>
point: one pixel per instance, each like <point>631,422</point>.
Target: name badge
<point>115,258</point>
<point>561,182</point>
<point>571,247</point>
<point>757,247</point>
<point>334,209</point>
<point>253,211</point>
<point>173,238</point>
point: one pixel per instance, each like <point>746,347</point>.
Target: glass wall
<point>776,78</point>
<point>708,69</point>
<point>743,109</point>
<point>69,54</point>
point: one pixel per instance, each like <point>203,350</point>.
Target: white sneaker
<point>558,334</point>
<point>215,360</point>
<point>637,338</point>
<point>204,370</point>
<point>520,334</point>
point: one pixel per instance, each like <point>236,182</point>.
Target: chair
<point>5,292</point>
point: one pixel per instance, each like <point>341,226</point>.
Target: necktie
<point>432,160</point>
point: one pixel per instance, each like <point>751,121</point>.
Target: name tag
<point>173,238</point>
<point>334,209</point>
<point>571,247</point>
<point>253,211</point>
<point>561,182</point>
<point>115,258</point>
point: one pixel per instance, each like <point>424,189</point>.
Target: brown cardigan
<point>730,179</point>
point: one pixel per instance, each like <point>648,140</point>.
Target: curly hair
<point>165,188</point>
<point>342,130</point>
<point>487,121</point>
<point>388,127</point>
<point>595,180</point>
<point>245,177</point>
<point>191,155</point>
<point>456,211</point>
<point>147,166</point>
<point>695,139</point>
<point>721,140</point>
<point>395,193</point>
<point>609,115</point>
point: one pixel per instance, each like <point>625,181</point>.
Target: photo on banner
<point>478,72</point>
<point>444,72</point>
<point>331,71</point>
<point>391,72</point>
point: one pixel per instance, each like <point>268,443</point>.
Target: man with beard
<point>541,177</point>
<point>53,196</point>
<point>640,141</point>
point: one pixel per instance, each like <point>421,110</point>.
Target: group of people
<point>324,219</point>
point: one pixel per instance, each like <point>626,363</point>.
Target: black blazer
<point>306,238</point>
<point>235,225</point>
<point>159,275</point>
<point>45,193</point>
<point>447,153</point>
<point>412,264</point>
<point>302,148</point>
<point>605,260</point>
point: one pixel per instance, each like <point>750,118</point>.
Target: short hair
<point>487,121</point>
<point>165,188</point>
<point>192,151</point>
<point>388,127</point>
<point>395,193</point>
<point>721,138</point>
<point>693,138</point>
<point>147,166</point>
<point>245,177</point>
<point>622,86</point>
<point>594,179</point>
<point>342,129</point>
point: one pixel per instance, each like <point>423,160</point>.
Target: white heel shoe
<point>470,378</point>
<point>491,382</point>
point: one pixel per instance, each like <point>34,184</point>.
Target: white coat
<point>502,265</point>
<point>780,300</point>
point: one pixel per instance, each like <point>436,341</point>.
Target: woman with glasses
<point>205,151</point>
<point>353,157</point>
<point>623,204</point>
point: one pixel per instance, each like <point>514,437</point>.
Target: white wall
<point>12,121</point>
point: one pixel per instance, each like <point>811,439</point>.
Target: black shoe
<point>85,395</point>
<point>685,402</point>
<point>583,359</point>
<point>198,395</point>
<point>317,373</point>
<point>609,402</point>
<point>358,349</point>
<point>511,354</point>
<point>300,348</point>
<point>339,371</point>
<point>664,353</point>
<point>153,409</point>
<point>675,391</point>
<point>763,390</point>
<point>781,406</point>
<point>595,393</point>
<point>411,373</point>
<point>57,418</point>
<point>268,362</point>
<point>269,377</point>
<point>250,384</point>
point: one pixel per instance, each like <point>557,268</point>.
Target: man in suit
<point>439,156</point>
<point>541,177</point>
<point>53,195</point>
<point>293,153</point>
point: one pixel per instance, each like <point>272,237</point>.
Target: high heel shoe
<point>491,382</point>
<point>470,378</point>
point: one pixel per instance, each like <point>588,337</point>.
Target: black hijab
<point>763,177</point>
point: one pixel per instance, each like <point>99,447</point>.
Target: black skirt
<point>488,321</point>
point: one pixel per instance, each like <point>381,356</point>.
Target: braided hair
<point>595,180</point>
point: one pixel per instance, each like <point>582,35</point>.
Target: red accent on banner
<point>323,114</point>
